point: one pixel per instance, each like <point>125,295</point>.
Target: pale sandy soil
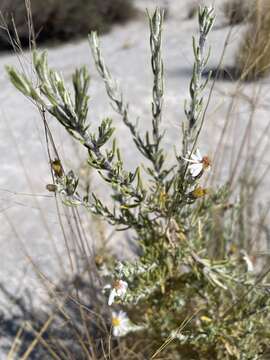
<point>31,222</point>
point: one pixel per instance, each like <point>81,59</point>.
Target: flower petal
<point>190,160</point>
<point>111,297</point>
<point>199,155</point>
<point>107,286</point>
<point>195,158</point>
<point>116,331</point>
<point>249,264</point>
<point>195,169</point>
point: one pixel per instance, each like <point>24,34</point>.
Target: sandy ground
<point>28,214</point>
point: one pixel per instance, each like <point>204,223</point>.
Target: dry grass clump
<point>238,11</point>
<point>61,19</point>
<point>253,58</point>
<point>69,315</point>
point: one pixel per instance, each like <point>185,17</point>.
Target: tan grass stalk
<point>252,59</point>
<point>39,339</point>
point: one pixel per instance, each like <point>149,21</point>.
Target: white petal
<point>195,158</point>
<point>250,267</point>
<point>107,286</point>
<point>122,315</point>
<point>116,331</point>
<point>195,169</point>
<point>198,153</point>
<point>190,160</point>
<point>111,297</point>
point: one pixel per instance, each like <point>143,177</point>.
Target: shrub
<point>187,295</point>
<point>61,19</point>
<point>238,11</point>
<point>253,58</point>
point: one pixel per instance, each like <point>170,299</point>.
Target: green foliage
<point>188,291</point>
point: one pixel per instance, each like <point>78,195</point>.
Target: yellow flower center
<point>199,192</point>
<point>206,319</point>
<point>116,321</point>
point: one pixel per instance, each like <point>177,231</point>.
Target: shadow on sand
<point>227,73</point>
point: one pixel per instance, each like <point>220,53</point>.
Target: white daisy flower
<point>121,323</point>
<point>118,289</point>
<point>197,163</point>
